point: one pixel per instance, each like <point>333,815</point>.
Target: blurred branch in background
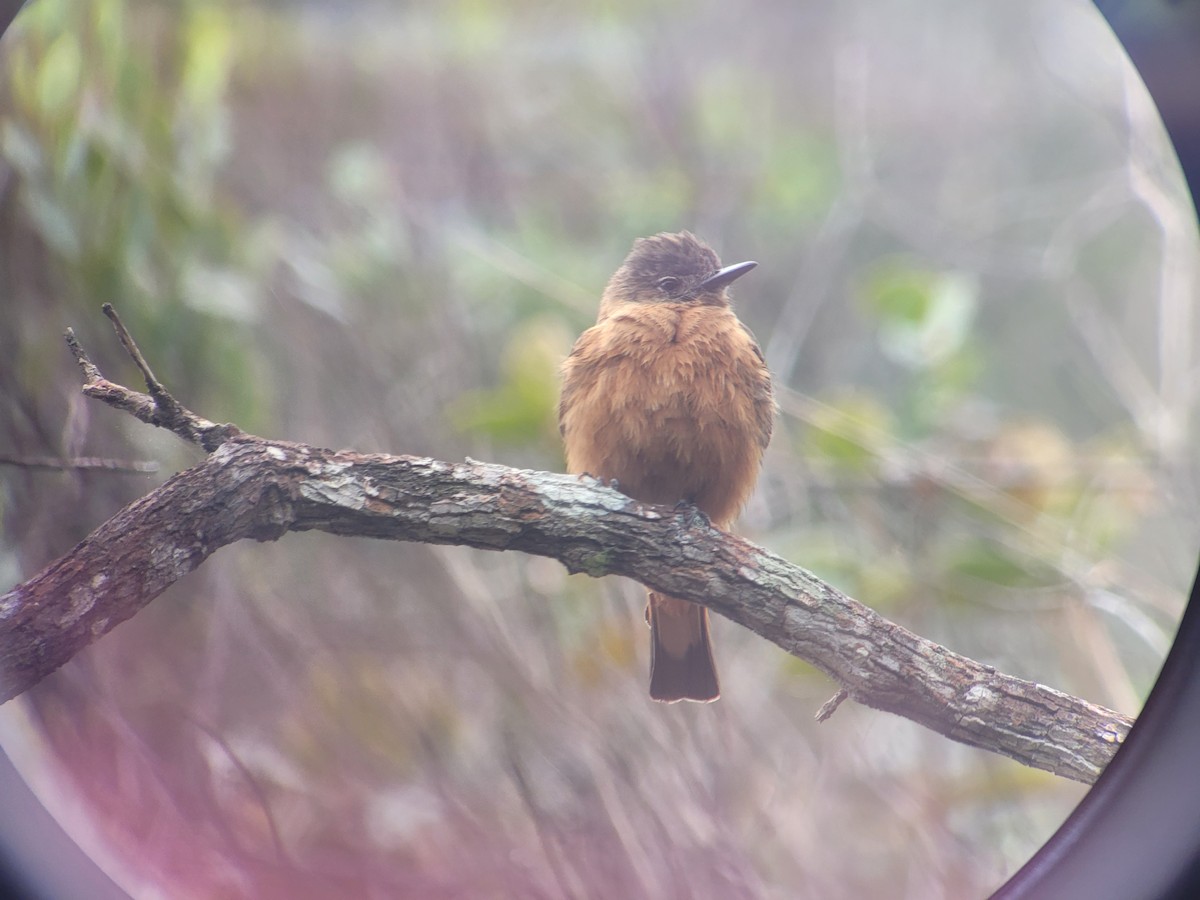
<point>129,466</point>
<point>249,487</point>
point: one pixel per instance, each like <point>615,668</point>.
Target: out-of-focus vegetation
<point>381,227</point>
<point>117,129</point>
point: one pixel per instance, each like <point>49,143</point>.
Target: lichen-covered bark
<point>254,488</point>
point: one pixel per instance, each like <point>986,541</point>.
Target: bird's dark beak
<point>721,278</point>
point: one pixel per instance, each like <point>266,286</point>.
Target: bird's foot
<point>690,515</point>
<point>601,481</point>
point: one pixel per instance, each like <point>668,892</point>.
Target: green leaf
<point>522,407</point>
<point>896,292</point>
<point>994,563</point>
<point>58,79</point>
<point>846,431</point>
<point>924,315</point>
<point>209,51</point>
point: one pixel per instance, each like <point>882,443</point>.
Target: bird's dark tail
<point>681,659</point>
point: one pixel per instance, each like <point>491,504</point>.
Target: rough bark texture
<point>254,488</point>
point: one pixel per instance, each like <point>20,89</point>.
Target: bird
<point>668,397</point>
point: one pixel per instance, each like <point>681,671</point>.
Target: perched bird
<point>669,395</point>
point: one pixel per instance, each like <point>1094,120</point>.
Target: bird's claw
<point>601,480</point>
<point>691,515</point>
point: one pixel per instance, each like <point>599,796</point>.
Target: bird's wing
<point>765,406</point>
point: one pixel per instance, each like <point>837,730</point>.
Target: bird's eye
<point>668,284</point>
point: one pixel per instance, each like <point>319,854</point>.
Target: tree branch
<point>156,408</point>
<point>250,487</point>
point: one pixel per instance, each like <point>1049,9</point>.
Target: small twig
<point>156,408</point>
<point>829,707</point>
<point>96,386</point>
<point>91,374</point>
<point>172,411</point>
<point>136,466</point>
<point>152,384</point>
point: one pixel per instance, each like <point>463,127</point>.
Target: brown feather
<point>669,395</point>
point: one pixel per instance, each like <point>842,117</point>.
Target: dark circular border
<point>1135,836</point>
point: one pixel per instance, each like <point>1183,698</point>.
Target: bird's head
<point>672,268</point>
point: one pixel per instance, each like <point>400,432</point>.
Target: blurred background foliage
<point>381,226</point>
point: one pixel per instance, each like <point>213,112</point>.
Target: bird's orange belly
<point>670,424</point>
